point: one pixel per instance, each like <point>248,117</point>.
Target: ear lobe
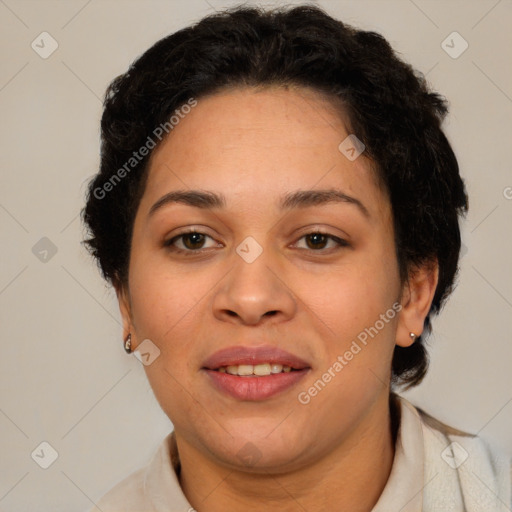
<point>417,296</point>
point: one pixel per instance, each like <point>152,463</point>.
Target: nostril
<point>270,313</point>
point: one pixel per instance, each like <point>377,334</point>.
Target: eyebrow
<point>299,199</point>
<point>197,198</point>
<point>305,198</point>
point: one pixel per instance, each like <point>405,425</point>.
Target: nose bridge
<point>252,288</point>
<point>253,277</point>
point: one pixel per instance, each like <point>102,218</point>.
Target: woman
<point>278,210</point>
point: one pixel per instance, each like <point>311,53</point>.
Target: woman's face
<point>296,253</point>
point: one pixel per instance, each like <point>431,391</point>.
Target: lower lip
<point>255,388</point>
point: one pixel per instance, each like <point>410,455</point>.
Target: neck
<point>351,477</point>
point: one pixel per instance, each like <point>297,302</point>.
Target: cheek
<point>348,299</point>
<point>354,317</point>
<point>165,309</point>
<point>163,301</point>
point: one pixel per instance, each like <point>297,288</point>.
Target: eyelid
<point>169,242</point>
<point>323,230</point>
<point>309,230</point>
<point>340,242</point>
<point>201,230</point>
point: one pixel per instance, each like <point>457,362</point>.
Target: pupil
<point>192,240</point>
<point>317,240</point>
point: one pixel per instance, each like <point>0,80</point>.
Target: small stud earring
<point>128,344</point>
<point>413,336</point>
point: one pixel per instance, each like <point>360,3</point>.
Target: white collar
<point>404,489</point>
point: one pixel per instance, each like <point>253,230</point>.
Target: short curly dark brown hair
<point>389,106</point>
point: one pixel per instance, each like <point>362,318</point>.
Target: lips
<point>228,372</point>
<point>240,355</point>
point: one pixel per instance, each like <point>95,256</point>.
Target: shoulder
<point>152,487</point>
<point>462,466</point>
<point>127,495</point>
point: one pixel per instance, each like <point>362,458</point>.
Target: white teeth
<point>261,370</point>
<point>245,369</point>
<point>233,370</point>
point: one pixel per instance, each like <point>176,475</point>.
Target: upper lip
<point>233,356</point>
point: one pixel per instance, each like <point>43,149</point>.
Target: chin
<point>257,449</point>
<point>254,458</point>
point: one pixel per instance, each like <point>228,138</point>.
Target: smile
<point>260,370</point>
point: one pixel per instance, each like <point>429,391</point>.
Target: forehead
<point>258,145</point>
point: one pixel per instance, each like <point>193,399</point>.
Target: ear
<point>417,295</point>
<point>123,298</point>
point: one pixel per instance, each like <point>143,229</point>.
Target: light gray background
<point>65,378</point>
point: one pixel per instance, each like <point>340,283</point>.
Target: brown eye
<point>316,240</point>
<point>193,240</point>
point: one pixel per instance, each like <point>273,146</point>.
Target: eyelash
<point>190,252</point>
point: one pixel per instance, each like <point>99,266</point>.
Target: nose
<point>254,293</point>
